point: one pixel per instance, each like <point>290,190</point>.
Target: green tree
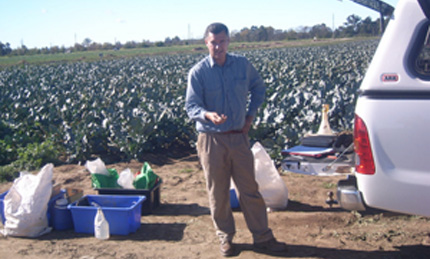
<point>78,47</point>
<point>262,34</point>
<point>5,49</point>
<point>130,45</point>
<point>107,46</point>
<point>320,31</point>
<point>352,25</point>
<point>87,42</point>
<point>368,27</point>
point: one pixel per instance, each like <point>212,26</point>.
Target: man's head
<point>217,40</point>
<point>216,28</point>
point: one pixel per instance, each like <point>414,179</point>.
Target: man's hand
<point>248,123</point>
<point>215,117</point>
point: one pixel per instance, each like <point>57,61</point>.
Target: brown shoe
<point>271,246</point>
<point>227,248</point>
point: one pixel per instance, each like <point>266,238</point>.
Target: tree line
<point>353,27</point>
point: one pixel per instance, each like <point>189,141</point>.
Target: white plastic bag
<point>270,184</point>
<point>126,179</point>
<point>26,204</point>
<point>96,167</point>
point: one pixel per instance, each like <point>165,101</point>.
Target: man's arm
<point>257,89</point>
<point>194,99</point>
<point>248,124</point>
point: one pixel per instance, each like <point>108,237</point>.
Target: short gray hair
<point>216,28</point>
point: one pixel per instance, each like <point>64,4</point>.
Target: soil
<point>181,226</point>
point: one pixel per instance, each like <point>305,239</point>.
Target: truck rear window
<point>422,62</point>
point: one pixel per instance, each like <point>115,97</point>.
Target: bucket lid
<point>61,202</point>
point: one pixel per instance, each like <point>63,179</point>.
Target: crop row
<point>127,107</point>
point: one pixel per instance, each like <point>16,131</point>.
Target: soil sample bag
<point>26,204</point>
<point>270,183</point>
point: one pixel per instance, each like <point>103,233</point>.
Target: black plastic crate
<point>152,196</point>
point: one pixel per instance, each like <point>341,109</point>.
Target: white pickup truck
<point>392,120</point>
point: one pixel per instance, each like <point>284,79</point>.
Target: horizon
<point>48,23</point>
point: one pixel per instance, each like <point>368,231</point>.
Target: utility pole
<point>189,32</point>
<point>332,25</point>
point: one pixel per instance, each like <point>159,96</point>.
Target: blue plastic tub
<point>123,213</point>
<point>2,207</point>
<point>234,202</point>
<point>61,217</point>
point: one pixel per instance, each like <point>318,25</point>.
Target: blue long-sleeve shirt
<point>225,90</point>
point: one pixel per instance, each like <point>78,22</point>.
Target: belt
<point>232,132</point>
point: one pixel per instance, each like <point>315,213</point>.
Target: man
<point>217,99</point>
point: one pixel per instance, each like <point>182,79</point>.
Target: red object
<point>365,163</point>
<point>136,174</point>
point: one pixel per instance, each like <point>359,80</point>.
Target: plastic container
<point>234,202</point>
<point>152,196</point>
<point>61,216</point>
<point>123,212</point>
<point>101,225</point>
<point>2,207</point>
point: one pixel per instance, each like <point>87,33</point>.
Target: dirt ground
<point>182,228</point>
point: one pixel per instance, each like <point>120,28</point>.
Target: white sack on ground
<point>26,204</point>
<point>271,186</point>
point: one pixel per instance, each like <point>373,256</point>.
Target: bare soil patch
<point>182,228</point>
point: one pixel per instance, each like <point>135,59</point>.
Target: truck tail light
<point>364,159</point>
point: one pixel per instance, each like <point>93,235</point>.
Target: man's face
<point>217,45</point>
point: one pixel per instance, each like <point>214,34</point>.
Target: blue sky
<point>45,23</point>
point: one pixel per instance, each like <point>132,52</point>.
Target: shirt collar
<point>228,60</point>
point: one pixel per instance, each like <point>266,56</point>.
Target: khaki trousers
<point>226,156</point>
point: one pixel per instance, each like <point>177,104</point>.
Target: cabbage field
<point>126,107</point>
